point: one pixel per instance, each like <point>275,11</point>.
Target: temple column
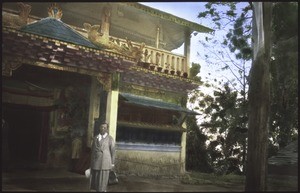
<point>157,37</point>
<point>112,105</point>
<point>93,108</point>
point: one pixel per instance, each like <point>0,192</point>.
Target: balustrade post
<point>162,60</point>
<point>167,62</point>
<point>151,57</point>
<point>177,65</point>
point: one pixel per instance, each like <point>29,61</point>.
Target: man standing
<point>102,158</point>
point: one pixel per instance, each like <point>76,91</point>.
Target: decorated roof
<point>21,47</point>
<point>56,29</point>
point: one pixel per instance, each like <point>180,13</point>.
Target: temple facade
<point>68,66</point>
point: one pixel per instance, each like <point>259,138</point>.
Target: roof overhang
<point>153,79</point>
<point>154,103</point>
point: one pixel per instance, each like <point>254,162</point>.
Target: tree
<point>224,109</point>
<point>283,121</point>
<point>259,99</point>
<point>232,52</point>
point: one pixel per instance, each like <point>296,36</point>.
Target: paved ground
<point>61,180</point>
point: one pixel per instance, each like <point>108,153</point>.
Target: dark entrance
<point>27,127</point>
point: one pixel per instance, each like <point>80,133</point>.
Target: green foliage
<point>197,157</point>
<point>227,113</point>
<point>230,50</point>
<point>194,71</point>
<point>284,74</point>
<point>285,25</point>
<point>238,16</point>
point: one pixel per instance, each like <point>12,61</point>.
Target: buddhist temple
<point>66,66</point>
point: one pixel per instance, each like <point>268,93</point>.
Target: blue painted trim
<point>147,147</point>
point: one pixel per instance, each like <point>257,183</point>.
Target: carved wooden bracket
<point>17,21</point>
<point>8,66</point>
<point>105,80</point>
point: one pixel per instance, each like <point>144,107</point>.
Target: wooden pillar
<point>157,37</point>
<point>183,150</point>
<point>93,108</point>
<point>187,48</point>
<point>112,105</point>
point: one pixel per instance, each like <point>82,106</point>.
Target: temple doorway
<point>27,127</point>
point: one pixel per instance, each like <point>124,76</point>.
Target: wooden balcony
<point>161,60</point>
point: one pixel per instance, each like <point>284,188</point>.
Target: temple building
<point>67,66</point>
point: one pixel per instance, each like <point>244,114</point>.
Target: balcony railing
<point>161,60</point>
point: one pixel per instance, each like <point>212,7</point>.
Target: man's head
<point>103,128</point>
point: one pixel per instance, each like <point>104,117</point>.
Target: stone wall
<point>147,163</point>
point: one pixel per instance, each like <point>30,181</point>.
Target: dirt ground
<point>58,181</point>
<point>65,181</point>
<point>140,184</point>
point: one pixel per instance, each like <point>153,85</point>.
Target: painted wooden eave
<point>167,16</point>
